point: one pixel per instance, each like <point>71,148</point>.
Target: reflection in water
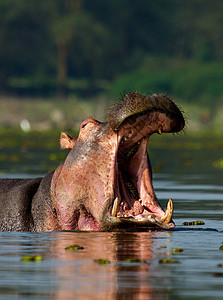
<point>139,247</point>
<point>80,277</point>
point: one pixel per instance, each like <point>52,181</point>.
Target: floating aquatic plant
<point>193,223</point>
<point>178,250</point>
<point>168,261</point>
<point>135,260</point>
<point>102,261</point>
<point>32,258</point>
<point>74,247</point>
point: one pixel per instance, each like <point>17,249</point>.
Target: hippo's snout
<point>134,104</point>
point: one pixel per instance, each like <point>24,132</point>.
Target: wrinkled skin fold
<point>105,182</point>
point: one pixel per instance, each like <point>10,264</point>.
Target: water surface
<point>190,172</point>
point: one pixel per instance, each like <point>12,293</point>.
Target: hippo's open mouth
<point>105,182</point>
<point>135,201</point>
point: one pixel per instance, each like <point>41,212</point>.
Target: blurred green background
<point>62,61</point>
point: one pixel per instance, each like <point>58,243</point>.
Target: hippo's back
<point>15,203</point>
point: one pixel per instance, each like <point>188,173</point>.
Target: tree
<point>21,32</point>
<point>70,23</point>
<point>65,17</point>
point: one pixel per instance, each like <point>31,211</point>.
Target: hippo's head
<point>105,182</point>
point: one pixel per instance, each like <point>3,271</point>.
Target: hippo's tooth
<point>115,207</point>
<point>160,123</point>
<point>169,212</point>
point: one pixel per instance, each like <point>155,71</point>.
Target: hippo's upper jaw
<point>106,180</point>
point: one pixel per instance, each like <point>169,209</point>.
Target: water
<point>190,173</point>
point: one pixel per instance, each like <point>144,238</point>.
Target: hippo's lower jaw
<point>145,219</point>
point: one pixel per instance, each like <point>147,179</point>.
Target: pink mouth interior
<point>133,184</point>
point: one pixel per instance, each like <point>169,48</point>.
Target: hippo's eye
<point>88,121</point>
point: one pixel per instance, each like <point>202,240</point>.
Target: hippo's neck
<point>43,212</point>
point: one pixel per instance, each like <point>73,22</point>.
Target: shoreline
<point>30,114</point>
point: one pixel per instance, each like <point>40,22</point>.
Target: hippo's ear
<point>67,141</point>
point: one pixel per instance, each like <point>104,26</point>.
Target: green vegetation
<point>95,50</point>
<point>168,260</point>
<point>74,247</point>
<point>178,250</point>
<point>193,223</point>
<point>31,258</point>
<point>135,260</point>
<point>102,261</point>
<point>192,81</point>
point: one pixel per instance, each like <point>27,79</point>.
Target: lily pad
<point>168,261</point>
<point>102,261</point>
<point>193,223</point>
<point>161,247</point>
<point>135,260</point>
<point>34,258</point>
<point>218,163</point>
<point>178,250</point>
<point>74,247</point>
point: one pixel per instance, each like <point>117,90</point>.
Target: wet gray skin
<point>105,182</point>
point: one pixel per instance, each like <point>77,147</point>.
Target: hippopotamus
<point>105,182</point>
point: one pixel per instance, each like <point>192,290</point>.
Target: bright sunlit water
<point>191,175</point>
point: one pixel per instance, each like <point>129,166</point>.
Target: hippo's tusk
<point>160,123</point>
<point>115,207</point>
<point>160,130</point>
<point>167,217</point>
